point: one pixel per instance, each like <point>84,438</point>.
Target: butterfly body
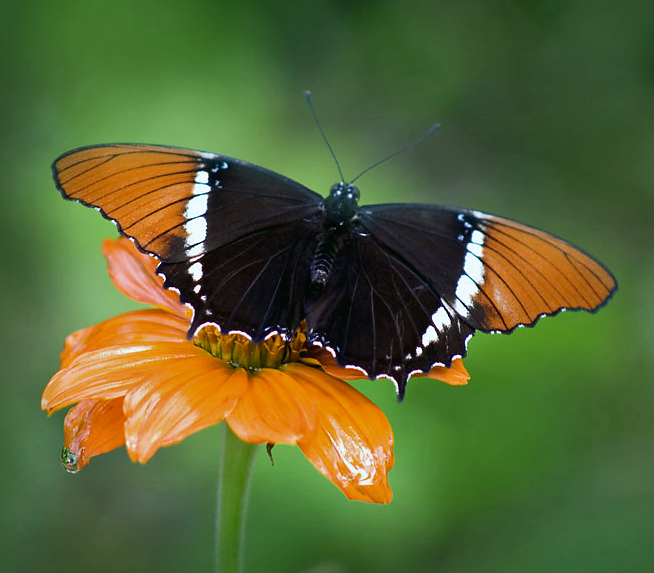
<point>393,289</point>
<point>338,211</point>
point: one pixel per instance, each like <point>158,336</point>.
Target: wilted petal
<point>185,397</point>
<point>94,427</point>
<point>275,408</point>
<point>133,274</point>
<point>353,442</point>
<point>110,372</point>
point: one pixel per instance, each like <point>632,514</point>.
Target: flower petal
<point>316,355</point>
<point>185,397</point>
<point>130,328</point>
<point>94,427</point>
<point>456,375</point>
<point>353,443</point>
<point>319,356</point>
<point>275,408</point>
<point>110,372</point>
<point>133,274</point>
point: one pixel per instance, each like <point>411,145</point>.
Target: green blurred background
<point>544,463</point>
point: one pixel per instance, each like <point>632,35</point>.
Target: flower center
<point>239,351</point>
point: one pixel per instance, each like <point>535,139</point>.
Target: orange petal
<point>110,372</point>
<point>133,274</point>
<point>319,356</point>
<point>181,399</point>
<point>275,408</point>
<point>94,427</point>
<point>353,443</point>
<point>456,375</point>
<point>130,328</point>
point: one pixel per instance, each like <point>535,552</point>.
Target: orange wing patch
<point>145,189</point>
<point>529,273</point>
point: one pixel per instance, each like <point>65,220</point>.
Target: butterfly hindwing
<point>379,314</point>
<point>253,285</point>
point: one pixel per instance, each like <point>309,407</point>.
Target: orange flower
<point>136,380</point>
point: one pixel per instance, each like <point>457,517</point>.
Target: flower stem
<point>233,484</point>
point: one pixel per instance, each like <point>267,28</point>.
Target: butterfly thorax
<point>338,210</point>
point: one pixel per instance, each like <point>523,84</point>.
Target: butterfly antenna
<point>307,95</point>
<point>425,135</point>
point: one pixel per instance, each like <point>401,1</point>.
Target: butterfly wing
<point>377,313</point>
<point>421,279</point>
<point>254,284</point>
<point>207,218</point>
<point>497,274</point>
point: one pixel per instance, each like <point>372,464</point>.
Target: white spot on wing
<point>440,322</point>
<point>477,238</point>
<point>195,226</point>
<point>197,205</point>
<point>196,272</point>
<point>201,178</point>
<point>429,336</point>
<point>196,230</point>
<point>473,274</point>
<point>466,290</point>
<point>441,319</point>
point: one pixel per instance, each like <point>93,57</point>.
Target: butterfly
<point>393,289</point>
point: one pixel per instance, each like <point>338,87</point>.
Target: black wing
<point>377,313</point>
<point>254,284</point>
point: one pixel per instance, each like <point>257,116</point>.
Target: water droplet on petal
<point>69,460</point>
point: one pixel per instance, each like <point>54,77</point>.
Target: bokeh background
<point>543,463</point>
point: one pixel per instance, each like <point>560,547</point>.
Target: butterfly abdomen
<point>330,243</point>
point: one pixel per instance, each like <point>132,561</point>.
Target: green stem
<point>233,484</point>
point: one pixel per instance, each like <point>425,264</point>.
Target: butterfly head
<point>342,203</point>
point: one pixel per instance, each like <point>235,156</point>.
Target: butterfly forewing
<point>495,273</point>
<point>179,203</point>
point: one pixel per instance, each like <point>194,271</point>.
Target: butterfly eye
<point>336,190</point>
<point>352,192</point>
<point>345,191</point>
